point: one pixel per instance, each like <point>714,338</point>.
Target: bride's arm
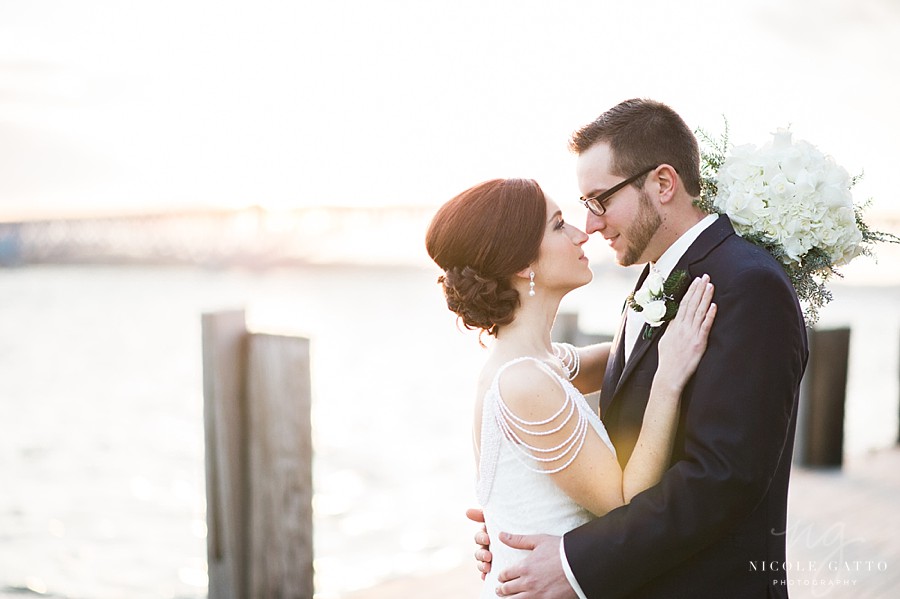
<point>569,449</point>
<point>680,350</point>
<point>555,436</point>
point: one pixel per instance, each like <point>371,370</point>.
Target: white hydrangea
<point>792,194</point>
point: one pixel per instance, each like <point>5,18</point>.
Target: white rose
<point>642,296</point>
<point>829,234</point>
<point>850,245</point>
<point>743,208</point>
<point>654,282</point>
<point>654,312</point>
<point>739,166</point>
<point>836,196</point>
<point>794,247</point>
<point>837,175</point>
<point>805,183</point>
<point>852,250</point>
<point>780,186</point>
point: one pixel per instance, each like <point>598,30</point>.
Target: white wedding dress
<point>517,496</point>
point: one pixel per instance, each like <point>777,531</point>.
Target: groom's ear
<point>667,181</point>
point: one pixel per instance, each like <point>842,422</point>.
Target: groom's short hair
<point>641,134</point>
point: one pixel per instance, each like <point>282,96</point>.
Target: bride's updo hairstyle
<point>481,238</point>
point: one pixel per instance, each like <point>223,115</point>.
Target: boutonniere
<point>655,300</point>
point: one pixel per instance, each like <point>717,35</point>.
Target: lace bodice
<point>516,493</point>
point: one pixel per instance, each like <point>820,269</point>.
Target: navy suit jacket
<point>719,512</point>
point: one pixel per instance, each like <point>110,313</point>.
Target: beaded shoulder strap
<point>568,355</point>
<point>492,435</point>
<point>518,431</point>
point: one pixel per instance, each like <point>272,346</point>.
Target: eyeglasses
<point>597,203</point>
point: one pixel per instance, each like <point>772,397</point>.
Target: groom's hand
<point>483,553</point>
<point>540,575</point>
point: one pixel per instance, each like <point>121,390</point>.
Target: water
<point>101,429</point>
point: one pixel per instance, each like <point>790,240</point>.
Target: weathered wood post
<point>820,418</point>
<point>566,329</point>
<point>258,461</point>
<point>224,351</point>
<point>280,468</point>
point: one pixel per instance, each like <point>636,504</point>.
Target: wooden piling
<point>280,468</point>
<point>258,461</point>
<point>566,329</point>
<point>820,419</point>
<point>224,350</point>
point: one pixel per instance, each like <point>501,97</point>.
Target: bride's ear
<point>525,273</point>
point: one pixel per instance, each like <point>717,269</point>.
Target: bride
<point>545,463</point>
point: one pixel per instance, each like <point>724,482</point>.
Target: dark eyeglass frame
<point>597,203</point>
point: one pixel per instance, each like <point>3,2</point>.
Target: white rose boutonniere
<point>651,289</point>
<point>656,299</point>
<point>654,312</point>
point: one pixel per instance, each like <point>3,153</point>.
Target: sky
<point>133,106</point>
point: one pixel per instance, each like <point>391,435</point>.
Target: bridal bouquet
<point>793,200</point>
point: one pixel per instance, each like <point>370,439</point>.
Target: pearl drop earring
<point>531,285</point>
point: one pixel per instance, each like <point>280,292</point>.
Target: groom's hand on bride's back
<point>540,574</point>
<point>483,553</point>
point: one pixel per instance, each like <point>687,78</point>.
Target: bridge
<point>254,237</point>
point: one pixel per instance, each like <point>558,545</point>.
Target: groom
<point>715,524</point>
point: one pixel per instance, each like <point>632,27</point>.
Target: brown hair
<point>641,134</point>
<point>481,238</point>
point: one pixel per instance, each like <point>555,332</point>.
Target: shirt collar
<point>671,256</point>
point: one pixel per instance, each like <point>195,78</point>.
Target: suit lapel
<point>617,358</point>
<point>641,345</point>
<point>613,368</point>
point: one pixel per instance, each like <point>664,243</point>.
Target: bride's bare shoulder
<point>521,368</point>
<point>530,389</point>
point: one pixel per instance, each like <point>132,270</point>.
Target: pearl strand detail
<point>568,355</point>
<point>507,421</point>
